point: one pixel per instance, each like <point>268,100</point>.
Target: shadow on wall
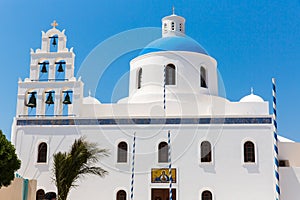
<point>290,182</point>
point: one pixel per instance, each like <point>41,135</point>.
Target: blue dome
<point>173,44</point>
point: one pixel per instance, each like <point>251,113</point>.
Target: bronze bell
<point>54,41</point>
<point>44,69</point>
<point>67,99</point>
<point>32,101</point>
<point>60,67</point>
<point>49,99</point>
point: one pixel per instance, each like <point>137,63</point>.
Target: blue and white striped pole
<point>165,89</point>
<point>170,165</point>
<point>169,143</point>
<point>276,162</point>
<point>132,169</point>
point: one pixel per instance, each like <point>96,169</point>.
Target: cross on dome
<point>173,10</point>
<point>54,24</point>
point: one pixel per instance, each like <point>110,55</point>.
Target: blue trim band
<point>128,121</point>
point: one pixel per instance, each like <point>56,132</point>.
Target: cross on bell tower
<point>54,24</point>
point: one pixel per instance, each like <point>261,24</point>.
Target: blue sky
<point>252,42</point>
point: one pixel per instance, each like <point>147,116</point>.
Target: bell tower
<point>51,89</point>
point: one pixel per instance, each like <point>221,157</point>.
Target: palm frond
<point>79,161</point>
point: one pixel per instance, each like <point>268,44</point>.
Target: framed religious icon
<point>161,175</point>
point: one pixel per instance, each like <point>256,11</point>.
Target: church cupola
<point>174,66</point>
<point>173,25</point>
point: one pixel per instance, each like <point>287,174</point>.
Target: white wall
<point>187,75</point>
<point>290,183</point>
<point>227,177</point>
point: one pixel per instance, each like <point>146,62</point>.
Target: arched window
<point>163,152</point>
<point>42,153</point>
<point>165,26</point>
<point>203,80</point>
<point>170,74</point>
<point>121,195</point>
<point>205,151</point>
<point>122,152</point>
<point>173,26</point>
<point>206,195</point>
<point>50,195</point>
<point>139,78</point>
<point>180,27</point>
<point>249,152</point>
<point>40,194</point>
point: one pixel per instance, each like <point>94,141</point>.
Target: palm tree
<point>79,161</point>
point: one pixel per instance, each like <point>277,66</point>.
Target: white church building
<point>216,149</point>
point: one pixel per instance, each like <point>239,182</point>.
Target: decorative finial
<point>90,93</point>
<point>173,10</point>
<point>54,24</point>
<point>251,90</point>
